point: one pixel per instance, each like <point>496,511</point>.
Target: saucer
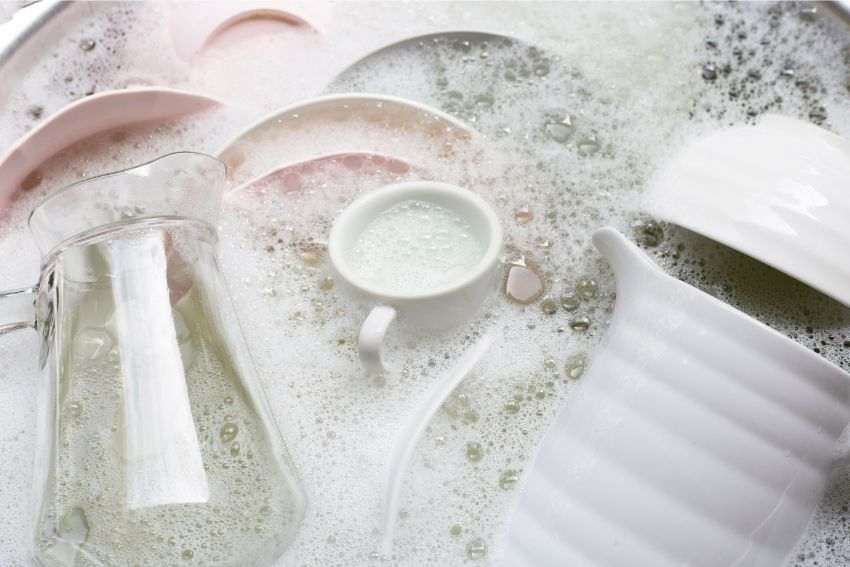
<point>349,123</point>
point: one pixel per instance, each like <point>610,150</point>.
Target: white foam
<point>628,76</point>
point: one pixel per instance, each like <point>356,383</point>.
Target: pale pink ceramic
<point>88,116</point>
<point>290,177</point>
<point>215,21</point>
<point>280,134</point>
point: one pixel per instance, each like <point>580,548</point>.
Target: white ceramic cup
<point>431,308</point>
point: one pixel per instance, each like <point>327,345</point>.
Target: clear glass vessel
<point>157,444</point>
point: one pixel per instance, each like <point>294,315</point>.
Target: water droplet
<point>542,242</point>
<point>569,302</point>
<point>809,13</point>
<point>588,145</point>
<point>228,432</point>
<point>508,479</point>
<point>228,400</point>
<point>575,366</point>
<point>455,530</point>
<point>474,452</point>
<point>187,554</point>
<point>523,285</point>
<point>326,284</point>
<point>523,215</point>
<point>559,131</point>
<point>649,233</point>
<point>75,409</point>
<point>235,449</point>
<point>709,72</point>
<point>580,323</point>
<point>485,101</point>
<point>73,526</point>
<point>476,549</point>
<point>87,44</point>
<point>586,288</point>
<point>512,407</point>
<point>549,306</point>
<point>311,255</point>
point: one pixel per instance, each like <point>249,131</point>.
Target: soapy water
<point>415,247</point>
<point>610,90</point>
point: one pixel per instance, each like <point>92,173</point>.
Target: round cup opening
<point>415,239</point>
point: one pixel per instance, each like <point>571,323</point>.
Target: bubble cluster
<point>576,113</point>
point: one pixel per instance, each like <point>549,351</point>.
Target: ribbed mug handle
<point>17,309</point>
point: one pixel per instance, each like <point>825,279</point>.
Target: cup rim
<point>400,191</point>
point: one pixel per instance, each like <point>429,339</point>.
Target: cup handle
<point>17,309</point>
<point>371,340</point>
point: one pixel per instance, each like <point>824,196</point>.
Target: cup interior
<point>479,219</point>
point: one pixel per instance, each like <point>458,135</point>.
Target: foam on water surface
<point>574,126</point>
<point>414,247</point>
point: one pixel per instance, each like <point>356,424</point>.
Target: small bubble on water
<point>808,13</point>
<point>569,302</point>
<point>476,549</point>
<point>543,242</point>
<point>35,112</point>
<point>87,44</point>
<point>311,256</point>
<point>474,452</point>
<point>561,129</point>
<point>187,554</point>
<point>649,233</point>
<point>228,432</point>
<point>326,284</point>
<point>588,146</point>
<point>75,409</point>
<point>235,449</point>
<point>508,479</point>
<point>456,530</point>
<point>523,215</point>
<point>586,288</point>
<point>512,407</point>
<point>523,285</point>
<point>549,306</point>
<point>575,366</point>
<point>580,323</point>
<point>709,72</point>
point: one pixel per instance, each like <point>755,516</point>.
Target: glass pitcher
<point>158,446</point>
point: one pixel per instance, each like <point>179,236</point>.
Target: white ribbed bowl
<point>776,191</point>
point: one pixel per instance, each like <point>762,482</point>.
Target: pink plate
<point>220,22</point>
<point>86,117</point>
<point>290,177</point>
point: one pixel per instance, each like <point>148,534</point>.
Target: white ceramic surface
<point>380,123</point>
<point>698,436</point>
<point>776,191</point>
<point>434,309</point>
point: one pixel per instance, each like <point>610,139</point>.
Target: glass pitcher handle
<point>17,309</point>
